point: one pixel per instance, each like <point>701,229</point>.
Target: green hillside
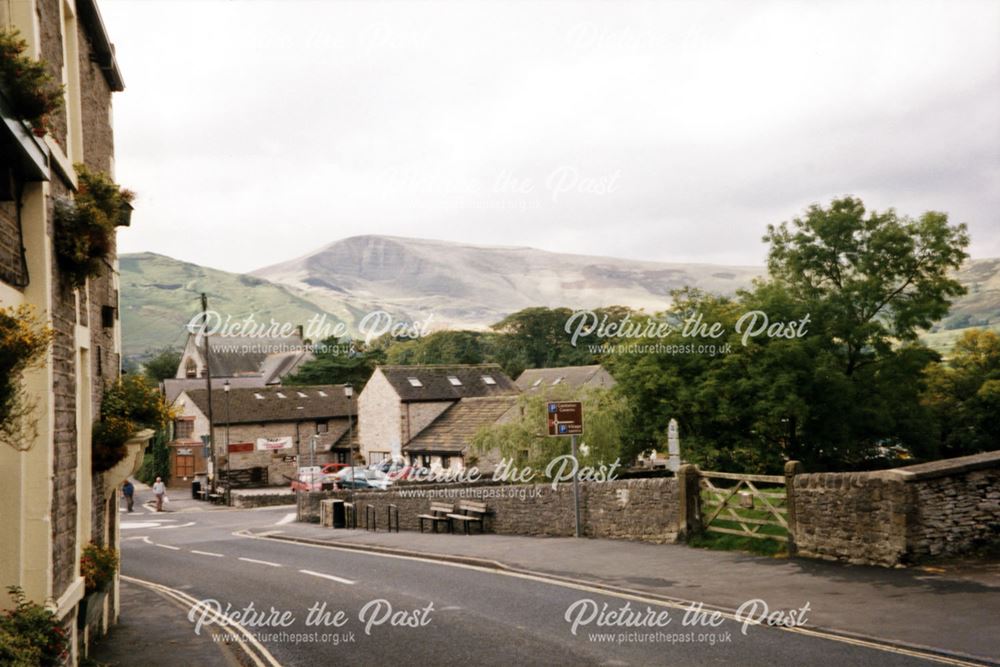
<point>159,295</point>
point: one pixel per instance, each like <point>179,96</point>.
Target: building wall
<point>379,417</point>
<point>50,503</point>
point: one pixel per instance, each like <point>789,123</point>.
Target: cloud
<point>256,131</point>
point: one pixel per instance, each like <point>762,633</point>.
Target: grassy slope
<point>160,295</point>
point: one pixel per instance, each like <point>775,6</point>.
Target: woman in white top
<point>160,489</point>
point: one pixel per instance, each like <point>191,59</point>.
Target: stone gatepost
<point>689,501</point>
<point>792,468</point>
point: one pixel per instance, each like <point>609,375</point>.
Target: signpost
<point>566,418</point>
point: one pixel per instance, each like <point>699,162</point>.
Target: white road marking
<point>260,562</point>
<point>640,596</point>
<point>331,577</point>
<point>271,532</point>
<point>145,538</point>
<point>139,524</point>
<point>166,546</point>
<point>288,518</point>
<point>180,525</point>
<point>205,553</point>
<point>260,656</point>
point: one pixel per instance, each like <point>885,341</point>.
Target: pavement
<point>502,599</point>
<point>151,631</point>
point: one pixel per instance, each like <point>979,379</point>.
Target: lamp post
<point>349,393</point>
<point>229,483</point>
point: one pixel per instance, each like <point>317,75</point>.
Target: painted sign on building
<point>271,444</point>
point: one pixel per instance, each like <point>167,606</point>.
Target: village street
<point>464,613</point>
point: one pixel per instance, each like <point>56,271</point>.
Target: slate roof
<point>234,356</point>
<point>452,431</point>
<point>299,403</point>
<point>172,387</point>
<point>571,376</point>
<point>435,385</point>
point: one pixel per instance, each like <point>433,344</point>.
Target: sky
<point>255,132</point>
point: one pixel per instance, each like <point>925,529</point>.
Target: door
<point>184,465</point>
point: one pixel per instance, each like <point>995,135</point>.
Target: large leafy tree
<point>162,365</point>
<point>869,278</point>
<point>339,362</point>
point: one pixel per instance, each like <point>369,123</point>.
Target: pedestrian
<point>129,492</point>
<point>160,489</point>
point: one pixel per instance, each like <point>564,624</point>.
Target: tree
<point>869,279</point>
<point>339,362</point>
<point>162,365</point>
<point>964,394</point>
<point>442,347</point>
<point>526,441</point>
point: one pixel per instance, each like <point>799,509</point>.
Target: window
<point>322,393</point>
<point>488,379</point>
<point>280,395</point>
<point>454,381</point>
<point>258,396</point>
<point>445,461</point>
<point>301,395</point>
<point>536,382</point>
<point>378,457</point>
<point>415,382</point>
<point>191,369</point>
<point>183,428</point>
<point>107,316</point>
<point>322,427</point>
<point>557,381</point>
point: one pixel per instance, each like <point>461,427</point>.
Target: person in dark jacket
<point>129,492</point>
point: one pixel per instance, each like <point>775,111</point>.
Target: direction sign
<point>565,418</point>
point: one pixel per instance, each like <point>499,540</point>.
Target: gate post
<point>689,501</point>
<point>792,468</point>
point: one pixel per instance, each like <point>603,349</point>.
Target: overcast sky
<point>255,132</point>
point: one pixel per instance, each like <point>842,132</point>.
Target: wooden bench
<point>472,511</point>
<point>439,514</point>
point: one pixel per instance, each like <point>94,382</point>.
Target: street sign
<point>565,418</point>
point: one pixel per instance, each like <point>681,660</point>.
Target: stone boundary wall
<point>899,516</point>
<point>633,509</point>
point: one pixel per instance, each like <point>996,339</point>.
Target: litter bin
<point>195,489</point>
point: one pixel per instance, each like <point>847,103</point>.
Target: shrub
<point>33,94</point>
<point>31,635</point>
<point>98,566</point>
<point>130,403</point>
<point>23,342</point>
<point>85,225</point>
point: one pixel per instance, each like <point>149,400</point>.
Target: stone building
<point>51,505</point>
<point>400,402</point>
<point>266,432</point>
<point>244,361</point>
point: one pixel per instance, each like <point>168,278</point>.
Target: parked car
<point>308,478</point>
<point>362,478</point>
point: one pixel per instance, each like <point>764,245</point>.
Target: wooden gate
<point>745,505</point>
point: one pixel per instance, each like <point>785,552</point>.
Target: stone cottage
<point>262,434</point>
<point>400,402</point>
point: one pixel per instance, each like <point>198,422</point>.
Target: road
<point>462,615</point>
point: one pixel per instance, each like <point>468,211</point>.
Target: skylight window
<point>301,395</point>
<point>536,382</point>
<point>258,397</point>
<point>322,393</point>
<point>488,379</point>
<point>415,382</point>
<point>280,395</point>
<point>454,381</point>
<point>557,380</point>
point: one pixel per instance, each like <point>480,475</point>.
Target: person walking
<point>129,492</point>
<point>160,489</point>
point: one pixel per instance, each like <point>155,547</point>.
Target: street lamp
<point>349,393</point>
<point>229,482</point>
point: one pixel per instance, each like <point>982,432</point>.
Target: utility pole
<point>208,386</point>
<point>576,485</point>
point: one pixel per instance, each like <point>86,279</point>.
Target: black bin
<point>195,489</point>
